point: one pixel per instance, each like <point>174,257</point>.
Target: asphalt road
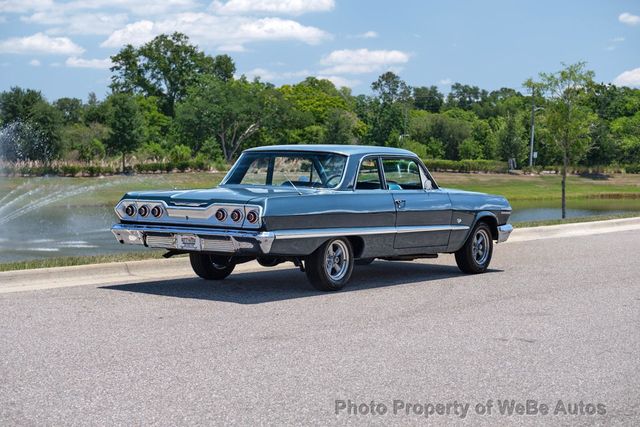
<point>555,319</point>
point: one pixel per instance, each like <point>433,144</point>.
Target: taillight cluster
<point>236,215</point>
<point>144,210</point>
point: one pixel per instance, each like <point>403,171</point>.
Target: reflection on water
<point>41,222</point>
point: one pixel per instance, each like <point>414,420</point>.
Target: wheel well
<point>357,243</point>
<point>493,225</point>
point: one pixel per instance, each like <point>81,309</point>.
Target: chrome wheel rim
<point>336,260</point>
<point>480,247</point>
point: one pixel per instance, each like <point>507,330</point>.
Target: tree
<point>36,124</point>
<point>232,111</point>
<point>428,98</point>
<point>127,126</point>
<point>465,96</point>
<point>566,117</point>
<point>71,109</point>
<point>165,67</point>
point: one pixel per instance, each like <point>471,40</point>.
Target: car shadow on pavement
<point>283,284</point>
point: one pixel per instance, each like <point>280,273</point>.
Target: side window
<point>369,176</point>
<point>402,174</point>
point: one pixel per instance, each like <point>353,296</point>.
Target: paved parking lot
<point>555,319</point>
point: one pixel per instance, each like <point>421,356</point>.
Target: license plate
<point>188,241</point>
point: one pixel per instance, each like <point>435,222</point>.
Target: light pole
<point>533,124</point>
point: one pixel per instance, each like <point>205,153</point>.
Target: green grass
<point>80,260</point>
<point>108,190</point>
<point>543,187</point>
<point>527,224</point>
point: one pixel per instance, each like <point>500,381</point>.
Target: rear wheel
<point>474,257</point>
<point>211,267</point>
<point>330,266</point>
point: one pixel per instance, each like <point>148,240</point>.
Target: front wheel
<point>211,267</point>
<point>474,257</point>
<point>330,266</point>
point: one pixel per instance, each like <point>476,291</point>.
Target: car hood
<point>205,197</point>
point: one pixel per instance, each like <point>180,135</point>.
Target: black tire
<point>364,261</point>
<point>476,260</point>
<point>317,265</point>
<point>210,267</point>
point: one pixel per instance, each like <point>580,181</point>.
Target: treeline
<point>173,105</point>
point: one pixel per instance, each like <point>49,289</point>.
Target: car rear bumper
<point>503,232</point>
<point>195,239</point>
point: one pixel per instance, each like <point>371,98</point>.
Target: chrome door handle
<point>400,203</point>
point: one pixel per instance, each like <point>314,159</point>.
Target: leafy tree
<point>86,141</point>
<point>470,149</point>
<point>156,124</point>
<point>232,111</point>
<point>341,128</point>
<point>317,97</point>
<point>465,96</point>
<point>165,67</point>
<point>428,98</point>
<point>566,117</point>
<point>71,109</point>
<point>36,125</point>
<point>127,126</point>
<point>390,88</point>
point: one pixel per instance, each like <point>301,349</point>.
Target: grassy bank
<point>108,190</point>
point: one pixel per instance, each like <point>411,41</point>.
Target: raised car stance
<point>325,208</point>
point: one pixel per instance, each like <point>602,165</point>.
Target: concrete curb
<point>150,270</point>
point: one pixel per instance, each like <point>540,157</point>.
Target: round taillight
<point>156,211</point>
<point>236,215</point>
<point>143,210</point>
<point>130,210</point>
<point>221,215</point>
<point>252,217</point>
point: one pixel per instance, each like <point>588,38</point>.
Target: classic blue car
<point>325,208</point>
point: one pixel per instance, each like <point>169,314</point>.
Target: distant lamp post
<point>533,127</point>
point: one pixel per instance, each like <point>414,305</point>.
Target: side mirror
<point>428,185</point>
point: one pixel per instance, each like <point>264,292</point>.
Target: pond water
<point>44,225</point>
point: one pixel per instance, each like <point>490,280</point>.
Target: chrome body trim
<point>362,231</point>
<point>503,232</point>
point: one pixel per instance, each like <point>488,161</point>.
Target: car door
<point>423,213</point>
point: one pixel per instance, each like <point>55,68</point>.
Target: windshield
<point>293,169</point>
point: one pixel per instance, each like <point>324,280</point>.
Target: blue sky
<point>62,47</point>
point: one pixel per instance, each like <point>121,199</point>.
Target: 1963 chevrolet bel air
<point>322,207</point>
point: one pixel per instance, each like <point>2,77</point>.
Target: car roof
<point>348,150</point>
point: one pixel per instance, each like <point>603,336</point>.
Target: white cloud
<point>617,39</point>
<point>22,6</point>
<point>138,7</point>
<point>216,31</point>
<point>75,62</point>
<point>629,19</point>
<point>269,75</point>
<point>40,43</point>
<point>339,81</point>
<point>361,61</point>
<point>80,23</point>
<point>368,35</point>
<point>35,63</point>
<point>629,78</point>
<point>284,7</point>
<point>445,82</point>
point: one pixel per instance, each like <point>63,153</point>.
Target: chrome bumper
<point>503,232</point>
<point>195,239</point>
